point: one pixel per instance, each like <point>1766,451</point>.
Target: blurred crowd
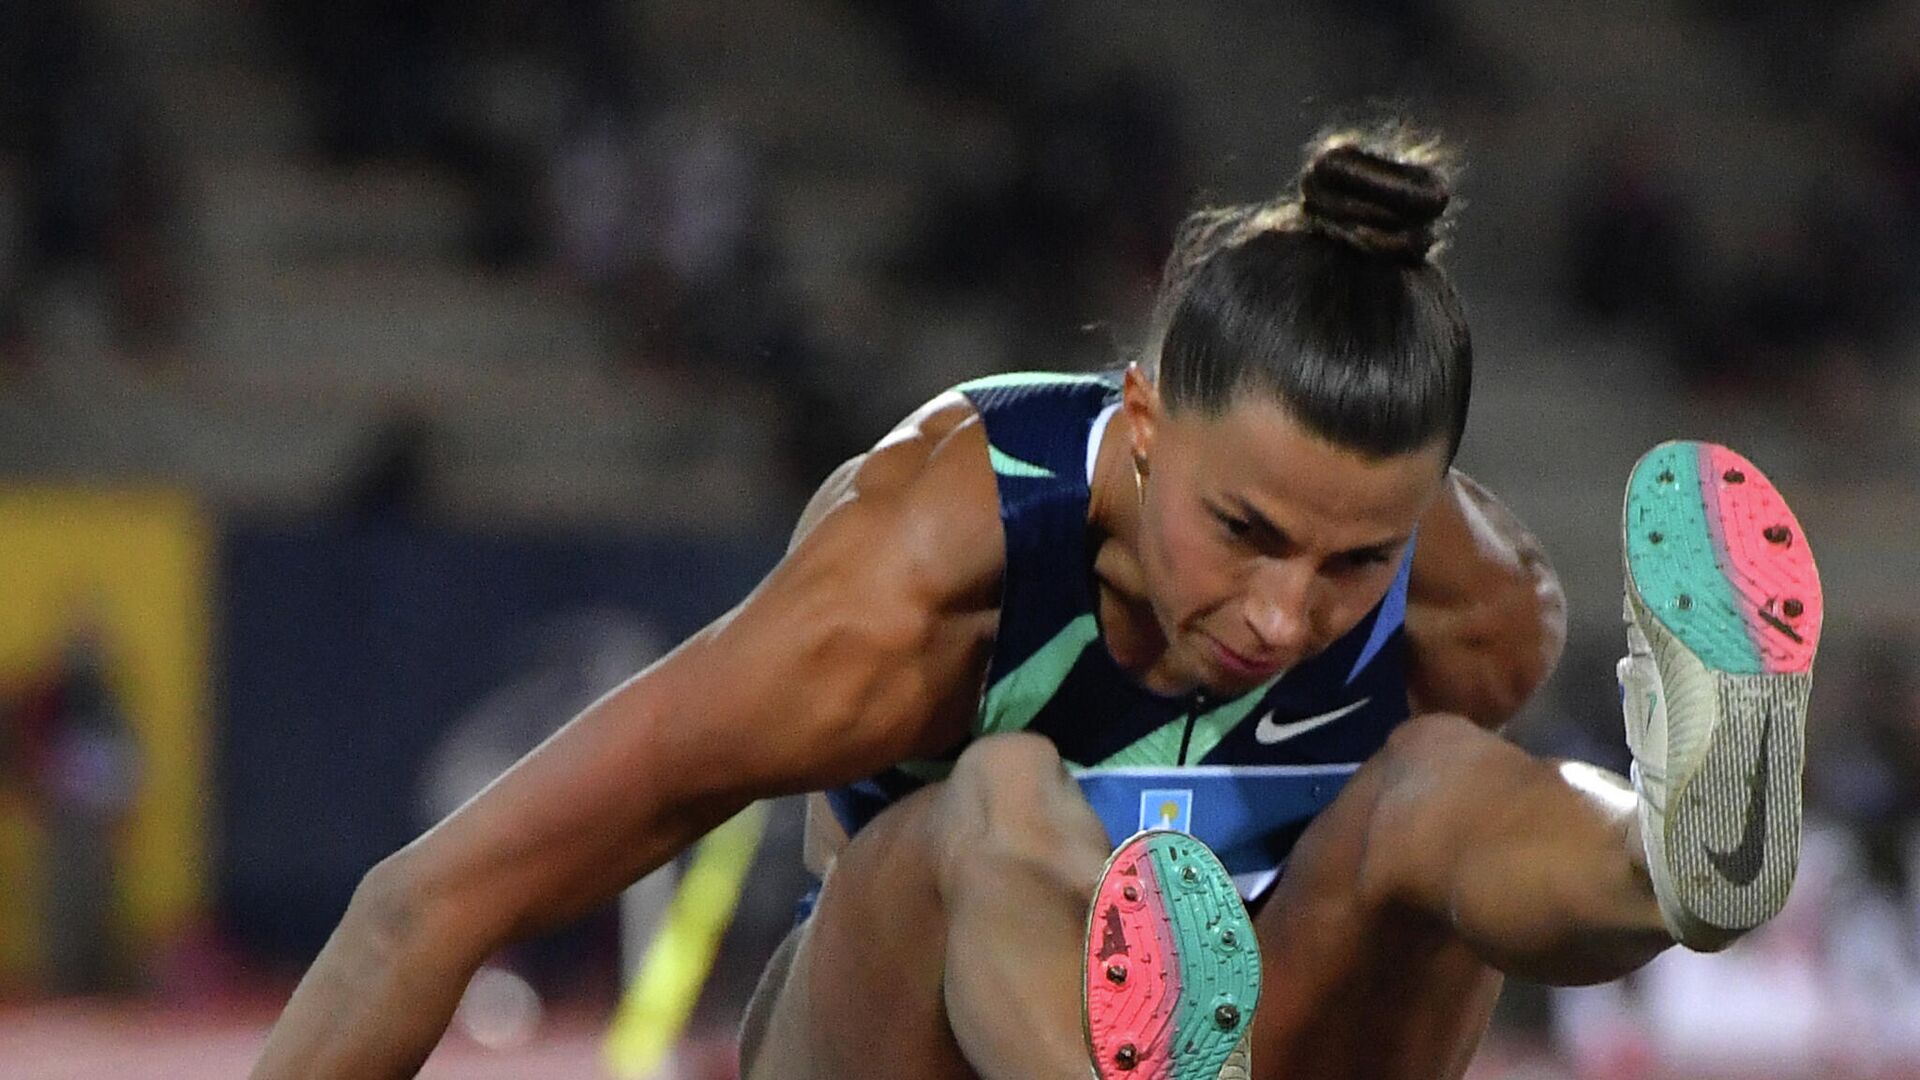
<point>584,158</point>
<point>583,153</point>
<point>1812,303</point>
<point>94,207</point>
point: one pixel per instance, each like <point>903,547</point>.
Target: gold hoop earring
<point>1140,475</point>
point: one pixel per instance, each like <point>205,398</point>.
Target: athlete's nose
<point>1278,608</point>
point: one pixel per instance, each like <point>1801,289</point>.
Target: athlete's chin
<point>1225,689</point>
<point>1231,672</point>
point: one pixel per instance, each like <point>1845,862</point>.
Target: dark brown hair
<point>1328,299</point>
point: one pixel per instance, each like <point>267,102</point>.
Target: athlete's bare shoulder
<point>1485,614</point>
<point>901,550</point>
<point>918,515</point>
<point>929,483</point>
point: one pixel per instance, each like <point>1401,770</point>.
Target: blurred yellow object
<point>654,1012</point>
<point>131,566</point>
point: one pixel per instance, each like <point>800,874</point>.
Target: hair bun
<point>1384,193</point>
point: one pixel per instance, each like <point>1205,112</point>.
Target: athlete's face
<point>1262,544</point>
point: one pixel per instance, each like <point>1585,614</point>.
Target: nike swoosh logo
<point>1741,866</point>
<point>1269,732</point>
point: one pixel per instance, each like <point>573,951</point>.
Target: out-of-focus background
<point>380,380</point>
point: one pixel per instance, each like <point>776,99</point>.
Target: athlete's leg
<point>1022,854</point>
<point>1536,865</point>
<point>948,934</point>
<point>1452,853</point>
<point>756,1023</point>
<point>947,939</point>
<point>1450,856</point>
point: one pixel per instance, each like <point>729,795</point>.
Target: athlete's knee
<point>1015,762</point>
<point>1011,806</point>
<point>1438,777</point>
<point>1444,756</point>
<point>1008,787</point>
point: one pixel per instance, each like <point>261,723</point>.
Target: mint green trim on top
<point>1160,748</point>
<point>1666,498</point>
<point>1026,378</point>
<point>1013,702</point>
<point>1007,465</point>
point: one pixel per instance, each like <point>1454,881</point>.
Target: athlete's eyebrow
<point>1382,550</point>
<point>1277,535</point>
<point>1260,521</point>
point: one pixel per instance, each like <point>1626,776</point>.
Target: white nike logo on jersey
<point>1269,732</point>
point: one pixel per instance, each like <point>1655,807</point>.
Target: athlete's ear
<point>1140,400</point>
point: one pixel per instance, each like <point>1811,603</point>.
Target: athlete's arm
<point>1486,619</point>
<point>862,648</point>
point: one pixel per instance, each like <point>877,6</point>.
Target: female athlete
<point>1235,595</point>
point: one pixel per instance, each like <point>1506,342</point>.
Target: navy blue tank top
<point>1245,775</point>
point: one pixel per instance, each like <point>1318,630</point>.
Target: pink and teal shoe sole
<point>1719,558</point>
<point>1173,970</point>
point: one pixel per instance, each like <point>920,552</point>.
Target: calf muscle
<point>1531,862</point>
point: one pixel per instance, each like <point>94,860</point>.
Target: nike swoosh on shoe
<point>1741,865</point>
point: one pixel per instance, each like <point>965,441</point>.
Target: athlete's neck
<point>1127,624</point>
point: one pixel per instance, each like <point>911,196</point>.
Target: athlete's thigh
<point>1354,988</point>
<point>757,1021</point>
<point>861,996</point>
